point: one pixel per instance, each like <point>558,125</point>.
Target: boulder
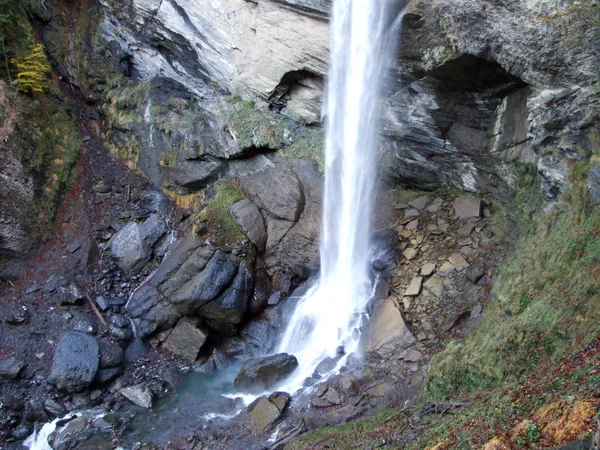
<point>278,191</point>
<point>326,396</point>
<point>186,339</point>
<point>129,249</point>
<point>11,368</point>
<point>248,217</point>
<point>230,306</point>
<point>139,395</point>
<point>75,363</point>
<point>387,334</point>
<point>468,207</point>
<point>266,411</point>
<point>111,354</point>
<point>105,375</point>
<point>209,283</point>
<point>152,229</point>
<point>260,374</point>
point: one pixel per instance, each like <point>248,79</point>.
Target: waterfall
<point>328,317</point>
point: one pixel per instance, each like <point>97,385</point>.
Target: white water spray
<point>329,315</point>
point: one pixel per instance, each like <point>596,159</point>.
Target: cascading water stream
<point>328,317</point>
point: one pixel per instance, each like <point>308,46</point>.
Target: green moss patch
<point>256,128</point>
<point>221,226</point>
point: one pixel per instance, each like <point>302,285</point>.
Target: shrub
<point>32,70</point>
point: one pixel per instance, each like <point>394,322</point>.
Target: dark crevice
<point>468,73</point>
<point>281,94</point>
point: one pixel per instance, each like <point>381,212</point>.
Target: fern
<point>32,70</point>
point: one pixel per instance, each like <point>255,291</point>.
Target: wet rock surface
<point>260,374</point>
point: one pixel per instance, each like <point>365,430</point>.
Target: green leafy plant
<point>32,70</point>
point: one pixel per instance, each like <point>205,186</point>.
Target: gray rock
<point>420,203</point>
<point>231,305</point>
<point>410,253</point>
<point>274,299</point>
<point>186,339</point>
<point>74,246</point>
<point>475,273</point>
<point>194,175</point>
<point>277,191</point>
<point>102,303</point>
<point>414,288</point>
<point>476,312</point>
<point>111,354</point>
<point>75,362</point>
<point>11,368</point>
<point>379,264</point>
<point>248,217</point>
<point>105,375</point>
<point>19,316</point>
<point>70,295</point>
<point>434,286</point>
<point>260,374</point>
<point>326,396</point>
<point>152,229</point>
<point>194,264</point>
<point>205,286</point>
<point>465,230</point>
<point>458,261</point>
<point>129,249</point>
<point>139,395</point>
<point>327,365</point>
<point>411,213</point>
<point>267,411</point>
<point>427,269</point>
<point>84,324</point>
<point>413,355</point>
<point>53,408</point>
<point>468,207</point>
<point>22,431</point>
<point>436,205</point>
<point>593,182</point>
<point>555,177</point>
<point>387,333</point>
<point>76,430</point>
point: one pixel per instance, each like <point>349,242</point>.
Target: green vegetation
<point>15,35</point>
<point>32,70</point>
<point>221,226</point>
<point>51,157</point>
<point>42,130</point>
<point>256,128</point>
<point>547,298</point>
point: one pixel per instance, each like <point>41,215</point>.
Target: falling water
<point>328,316</point>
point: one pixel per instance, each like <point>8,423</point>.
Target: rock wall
<point>477,86</point>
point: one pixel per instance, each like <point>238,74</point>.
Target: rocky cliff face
<point>477,86</point>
